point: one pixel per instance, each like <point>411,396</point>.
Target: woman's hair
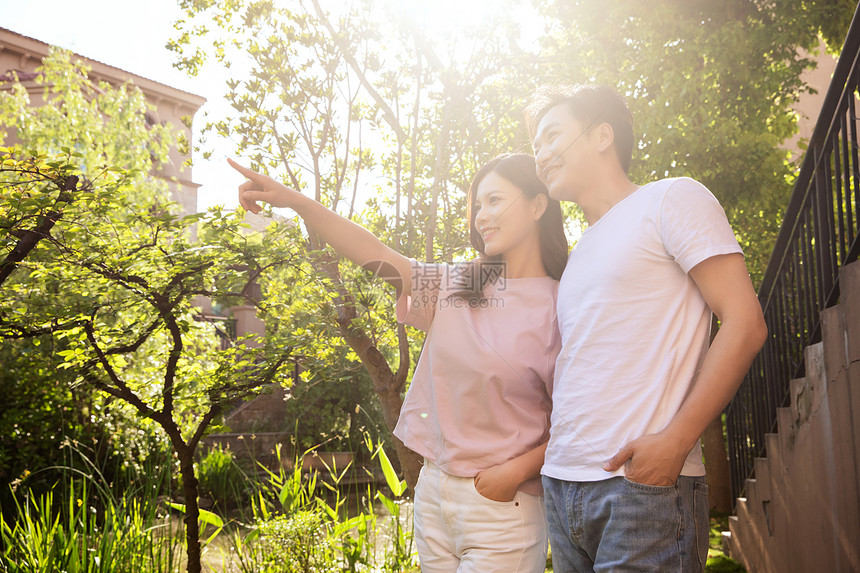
<point>519,169</point>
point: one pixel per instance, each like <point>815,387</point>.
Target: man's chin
<point>559,192</point>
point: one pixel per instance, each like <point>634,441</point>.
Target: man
<point>635,383</point>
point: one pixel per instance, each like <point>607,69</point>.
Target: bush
<point>297,543</point>
<point>344,411</point>
<point>220,477</point>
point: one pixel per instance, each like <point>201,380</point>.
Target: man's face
<point>563,153</point>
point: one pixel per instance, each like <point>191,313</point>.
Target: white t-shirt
<point>480,394</point>
<point>634,326</point>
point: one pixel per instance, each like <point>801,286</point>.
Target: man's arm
<point>657,459</point>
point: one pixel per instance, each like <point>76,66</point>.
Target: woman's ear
<point>539,205</point>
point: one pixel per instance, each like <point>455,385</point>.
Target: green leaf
<point>387,503</point>
<point>396,485</point>
<point>211,518</point>
<point>204,517</point>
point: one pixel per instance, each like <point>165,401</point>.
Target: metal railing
<point>225,328</point>
<point>818,237</point>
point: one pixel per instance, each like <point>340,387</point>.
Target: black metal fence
<point>818,236</point>
<point>225,328</point>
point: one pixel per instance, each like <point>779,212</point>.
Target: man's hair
<point>590,105</point>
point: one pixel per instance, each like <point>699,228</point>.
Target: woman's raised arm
<point>349,239</point>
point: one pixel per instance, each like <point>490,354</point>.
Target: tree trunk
<point>386,384</point>
<point>192,511</point>
<point>717,462</point>
<point>716,456</point>
<point>410,462</point>
<point>388,391</point>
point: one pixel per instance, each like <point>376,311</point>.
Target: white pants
<point>459,530</point>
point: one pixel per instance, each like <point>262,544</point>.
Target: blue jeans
<point>621,526</point>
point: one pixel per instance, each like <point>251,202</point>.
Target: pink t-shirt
<point>480,394</point>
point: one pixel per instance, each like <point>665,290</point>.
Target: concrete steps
<point>802,511</point>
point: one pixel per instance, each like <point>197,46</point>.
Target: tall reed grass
<point>81,526</point>
<point>294,521</point>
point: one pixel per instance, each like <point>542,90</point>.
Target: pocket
<point>424,485</point>
<point>657,489</point>
<point>487,500</point>
<point>701,507</point>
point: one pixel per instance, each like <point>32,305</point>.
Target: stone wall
<point>801,513</point>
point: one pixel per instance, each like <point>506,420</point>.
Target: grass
<point>83,532</point>
<point>719,562</point>
<point>296,523</point>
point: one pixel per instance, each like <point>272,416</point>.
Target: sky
<point>131,35</point>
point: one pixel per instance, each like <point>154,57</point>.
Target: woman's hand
<point>350,240</point>
<point>498,483</point>
<point>501,482</point>
<point>261,187</point>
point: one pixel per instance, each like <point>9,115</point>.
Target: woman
<point>478,405</point>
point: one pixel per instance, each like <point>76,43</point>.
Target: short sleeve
<point>693,224</point>
<point>419,307</point>
<point>552,357</point>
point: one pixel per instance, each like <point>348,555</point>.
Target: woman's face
<point>504,216</point>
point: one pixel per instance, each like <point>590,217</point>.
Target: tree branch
<point>122,390</point>
<point>403,367</point>
<point>29,239</point>
<point>14,331</point>
<point>173,358</point>
<point>387,112</point>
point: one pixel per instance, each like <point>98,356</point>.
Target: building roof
<point>27,46</point>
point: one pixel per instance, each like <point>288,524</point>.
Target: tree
<point>832,18</point>
<point>136,336</point>
<point>358,105</point>
<point>108,274</point>
<point>72,128</point>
